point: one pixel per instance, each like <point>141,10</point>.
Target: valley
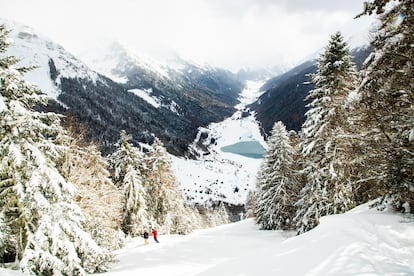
<point>212,121</point>
<point>250,138</point>
<point>220,175</point>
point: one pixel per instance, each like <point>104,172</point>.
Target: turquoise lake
<point>252,149</point>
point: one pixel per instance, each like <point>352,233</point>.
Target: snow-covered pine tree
<point>375,6</point>
<point>181,219</point>
<point>37,203</point>
<point>327,189</point>
<point>297,161</point>
<point>261,216</point>
<point>223,215</point>
<point>277,188</point>
<point>251,204</point>
<point>387,103</point>
<point>96,194</point>
<point>165,201</point>
<point>128,164</point>
<point>216,215</point>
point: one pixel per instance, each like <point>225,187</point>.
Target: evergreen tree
<point>328,189</point>
<point>386,105</point>
<point>251,204</point>
<point>181,219</point>
<point>263,199</point>
<point>128,165</point>
<point>277,185</point>
<point>375,6</point>
<point>43,224</point>
<point>217,215</point>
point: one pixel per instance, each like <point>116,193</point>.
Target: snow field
<point>223,176</point>
<point>192,254</point>
<point>360,242</point>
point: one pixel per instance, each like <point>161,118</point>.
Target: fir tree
<point>251,204</point>
<point>217,215</point>
<point>128,165</point>
<point>375,6</point>
<point>327,189</point>
<point>37,209</point>
<point>181,219</point>
<point>386,105</point>
<point>277,185</point>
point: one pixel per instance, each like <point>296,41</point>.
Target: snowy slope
<point>35,49</point>
<point>360,242</point>
<point>223,176</point>
<point>113,59</point>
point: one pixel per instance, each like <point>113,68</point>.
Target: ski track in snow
<point>196,253</point>
<point>360,242</point>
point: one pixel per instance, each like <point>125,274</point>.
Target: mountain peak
<point>35,49</point>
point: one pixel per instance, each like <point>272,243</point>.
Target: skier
<point>154,234</point>
<point>145,238</point>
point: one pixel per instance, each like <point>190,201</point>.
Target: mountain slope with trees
<point>60,211</point>
<point>357,143</point>
<point>284,96</point>
<point>186,101</point>
<point>40,221</point>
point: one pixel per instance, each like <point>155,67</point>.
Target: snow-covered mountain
<point>182,103</point>
<point>170,76</point>
<point>261,73</point>
<point>283,97</point>
<point>143,98</point>
<point>52,60</point>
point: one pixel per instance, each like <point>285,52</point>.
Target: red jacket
<point>154,233</point>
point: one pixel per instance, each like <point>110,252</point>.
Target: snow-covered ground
<point>222,175</point>
<point>360,242</point>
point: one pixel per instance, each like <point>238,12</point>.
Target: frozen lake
<point>252,149</point>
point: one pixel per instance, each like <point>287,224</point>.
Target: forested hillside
<point>284,96</point>
<point>180,100</point>
<point>357,142</point>
<point>63,207</point>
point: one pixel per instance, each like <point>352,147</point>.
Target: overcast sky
<point>226,33</point>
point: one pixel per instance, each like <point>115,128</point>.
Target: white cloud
<point>231,33</point>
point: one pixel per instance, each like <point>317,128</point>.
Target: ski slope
<point>360,242</point>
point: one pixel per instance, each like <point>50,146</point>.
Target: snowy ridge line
<point>110,56</point>
<point>114,58</point>
<point>52,60</point>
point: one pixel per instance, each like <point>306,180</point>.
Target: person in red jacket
<point>154,234</point>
